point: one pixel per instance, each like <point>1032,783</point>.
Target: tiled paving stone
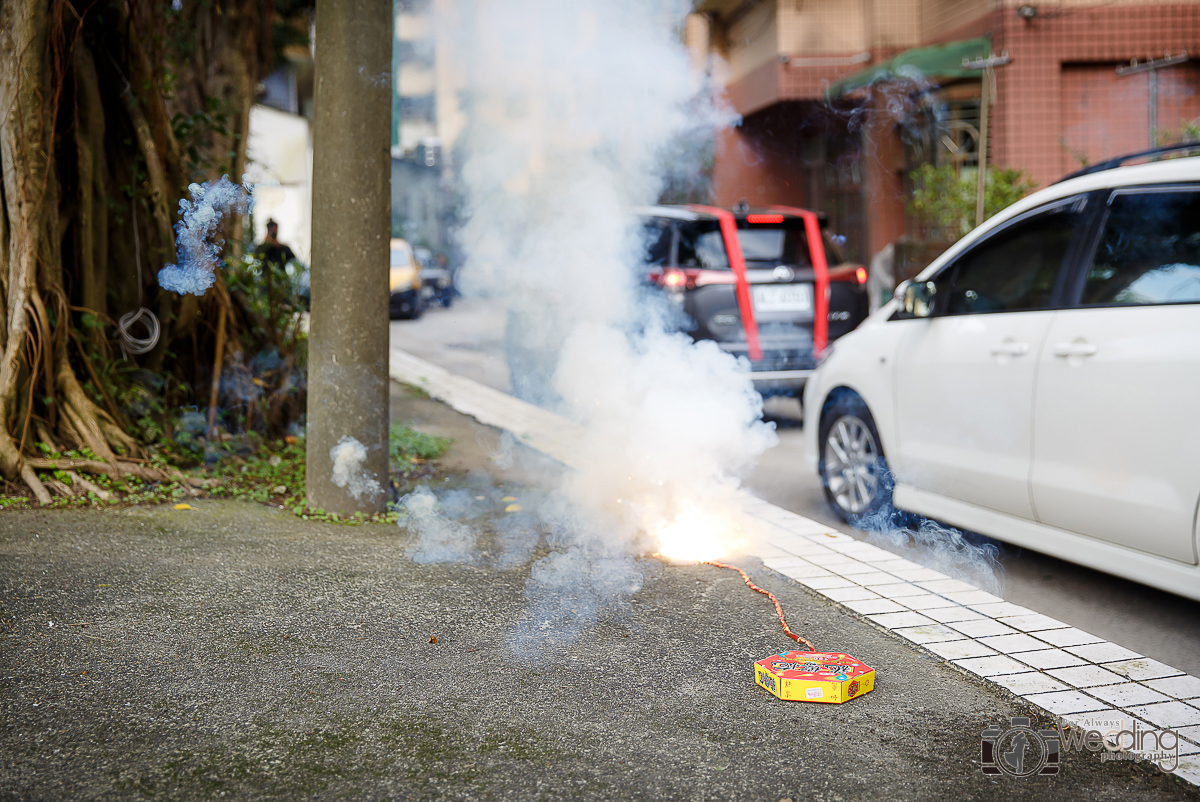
<point>917,574</point>
<point>1029,682</point>
<point>830,560</point>
<point>1086,676</point>
<point>898,590</point>
<point>847,594</point>
<point>864,575</point>
<point>1103,652</point>
<point>1066,637</point>
<point>1050,658</point>
<point>1011,644</point>
<point>991,666</point>
<point>806,571</point>
<point>1127,694</point>
<point>896,620</point>
<point>926,601</point>
<point>1000,609</point>
<point>958,649</point>
<point>1168,714</point>
<point>945,585</point>
<point>824,582</point>
<point>929,633</point>
<point>1142,668</point>
<point>1035,622</point>
<point>874,606</point>
<point>972,598</point>
<point>1066,702</point>
<point>1192,733</point>
<point>788,561</point>
<point>1181,687</point>
<point>981,628</point>
<point>954,613</point>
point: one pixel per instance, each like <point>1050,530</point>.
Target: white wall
<point>280,175</point>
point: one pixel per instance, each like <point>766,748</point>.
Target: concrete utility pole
<point>348,329</point>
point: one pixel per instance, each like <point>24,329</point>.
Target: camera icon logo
<point>1019,750</point>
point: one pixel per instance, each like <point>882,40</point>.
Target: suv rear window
<point>1149,251</point>
<point>701,245</point>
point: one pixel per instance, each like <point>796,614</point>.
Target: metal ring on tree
<point>129,343</point>
<point>137,345</point>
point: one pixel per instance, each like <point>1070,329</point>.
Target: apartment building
<point>841,99</point>
<point>426,121</point>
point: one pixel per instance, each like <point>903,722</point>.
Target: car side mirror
<point>918,297</point>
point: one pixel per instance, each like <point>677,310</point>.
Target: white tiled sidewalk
<point>1067,672</point>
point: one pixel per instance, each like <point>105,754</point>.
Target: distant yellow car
<point>404,280</point>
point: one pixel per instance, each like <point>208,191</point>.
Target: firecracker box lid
<point>831,677</point>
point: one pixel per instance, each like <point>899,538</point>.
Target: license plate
<point>782,297</point>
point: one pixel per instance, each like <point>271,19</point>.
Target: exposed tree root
<point>87,139</point>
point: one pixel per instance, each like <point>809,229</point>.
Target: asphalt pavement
<point>237,651</point>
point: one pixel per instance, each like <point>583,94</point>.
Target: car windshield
<point>401,257</point>
<point>701,245</point>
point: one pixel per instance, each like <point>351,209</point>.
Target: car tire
<point>854,472</point>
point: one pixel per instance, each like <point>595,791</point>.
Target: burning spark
<point>695,536</point>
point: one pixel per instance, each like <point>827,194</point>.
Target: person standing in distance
<point>274,257</point>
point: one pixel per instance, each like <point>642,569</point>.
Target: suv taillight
<point>674,280</point>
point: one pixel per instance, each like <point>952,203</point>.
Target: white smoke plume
<point>348,457</point>
<point>963,556</point>
<point>439,539</point>
<point>572,108</point>
<point>197,235</point>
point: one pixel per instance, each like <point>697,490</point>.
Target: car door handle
<point>1074,349</point>
<point>1011,348</point>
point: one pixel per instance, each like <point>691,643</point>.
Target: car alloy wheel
<point>852,464</point>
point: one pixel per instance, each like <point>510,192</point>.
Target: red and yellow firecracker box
<point>814,676</point>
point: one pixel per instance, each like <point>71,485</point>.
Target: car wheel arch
<point>846,403</point>
<point>881,414</point>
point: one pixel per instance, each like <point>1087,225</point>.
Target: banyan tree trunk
<point>91,173</point>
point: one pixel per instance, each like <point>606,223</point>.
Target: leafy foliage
<point>405,443</point>
<point>944,200</point>
<point>266,473</point>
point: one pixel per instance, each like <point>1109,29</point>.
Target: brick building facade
<point>1058,103</point>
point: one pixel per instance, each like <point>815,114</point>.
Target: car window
<point>701,245</point>
<point>1014,269</point>
<point>401,256</point>
<point>656,241</point>
<point>1149,251</point>
<point>833,248</point>
<point>786,244</point>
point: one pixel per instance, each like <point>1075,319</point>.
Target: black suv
<point>768,284</point>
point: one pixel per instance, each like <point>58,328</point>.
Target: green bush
<point>944,199</point>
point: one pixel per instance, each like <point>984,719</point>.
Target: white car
<point>1039,383</point>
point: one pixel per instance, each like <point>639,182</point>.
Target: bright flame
<point>695,536</point>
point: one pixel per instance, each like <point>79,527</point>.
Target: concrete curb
<point>1084,680</point>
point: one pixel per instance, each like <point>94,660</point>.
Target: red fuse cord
<point>770,596</point>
